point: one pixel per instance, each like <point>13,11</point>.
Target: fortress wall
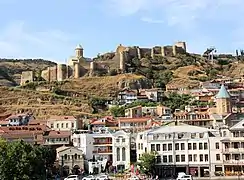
<point>181,44</point>
<point>168,50</point>
<point>53,73</point>
<point>61,72</point>
<point>180,50</point>
<point>46,74</point>
<point>120,48</point>
<point>133,52</point>
<point>77,71</point>
<point>157,50</point>
<point>26,76</point>
<point>145,52</point>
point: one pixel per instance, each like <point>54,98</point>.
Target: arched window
<point>65,157</point>
<point>118,154</point>
<point>123,154</point>
<point>75,156</point>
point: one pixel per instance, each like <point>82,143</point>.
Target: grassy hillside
<point>11,69</point>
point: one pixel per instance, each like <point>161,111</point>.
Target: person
<point>57,177</point>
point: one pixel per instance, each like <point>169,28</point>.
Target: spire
<point>223,93</point>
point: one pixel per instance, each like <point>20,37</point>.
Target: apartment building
<point>112,148</point>
<point>64,123</point>
<point>182,148</point>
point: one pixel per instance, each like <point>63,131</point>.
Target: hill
<point>11,69</point>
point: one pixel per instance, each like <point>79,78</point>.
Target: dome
<point>79,47</point>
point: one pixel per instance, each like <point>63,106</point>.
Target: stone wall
<point>26,76</point>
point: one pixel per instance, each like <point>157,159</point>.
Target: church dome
<point>79,47</point>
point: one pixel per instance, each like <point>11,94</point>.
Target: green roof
<point>223,93</point>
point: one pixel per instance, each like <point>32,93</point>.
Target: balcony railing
<point>233,150</point>
<point>106,142</point>
<point>102,151</point>
<point>236,162</point>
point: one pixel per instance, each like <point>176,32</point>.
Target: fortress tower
<point>223,101</point>
<point>122,60</point>
<point>79,51</point>
<point>76,70</point>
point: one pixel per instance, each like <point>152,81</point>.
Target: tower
<point>76,70</point>
<point>122,61</point>
<point>78,51</point>
<point>223,101</point>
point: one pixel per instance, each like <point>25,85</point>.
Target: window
<point>193,135</point>
<point>117,140</point>
<point>140,136</point>
<point>189,146</point>
<point>170,158</point>
<point>158,147</point>
<point>206,157</point>
<point>217,157</point>
<point>195,157</point>
<point>183,158</point>
<point>141,146</point>
<point>201,158</point>
<point>118,154</point>
<point>182,146</point>
<point>200,146</point>
<point>72,125</point>
<point>67,125</point>
<point>190,158</point>
<point>152,147</point>
<point>177,158</point>
<point>216,145</point>
<point>201,135</point>
<point>51,125</point>
<point>123,139</point>
<point>169,147</point>
<point>205,145</point>
<point>62,125</point>
<point>177,146</point>
<point>165,159</point>
<point>194,146</point>
<point>57,125</point>
<point>123,154</point>
<point>164,147</point>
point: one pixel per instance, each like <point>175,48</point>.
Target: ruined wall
<point>53,73</point>
<point>120,48</point>
<point>26,76</point>
<point>46,74</point>
<point>157,50</point>
<point>61,72</point>
<point>145,52</point>
<point>181,45</point>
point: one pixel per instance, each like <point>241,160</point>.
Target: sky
<point>51,29</point>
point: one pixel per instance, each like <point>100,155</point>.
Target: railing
<point>237,162</point>
<point>106,142</point>
<point>233,150</point>
<point>102,151</point>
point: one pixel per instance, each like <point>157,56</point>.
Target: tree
<point>177,101</point>
<point>147,162</point>
<point>23,161</point>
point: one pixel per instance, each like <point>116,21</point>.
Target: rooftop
<point>223,93</point>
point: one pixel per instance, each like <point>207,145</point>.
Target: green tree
<point>147,162</point>
<point>117,111</point>
<point>177,101</point>
<point>23,161</point>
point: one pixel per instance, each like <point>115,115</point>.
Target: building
<point>64,123</point>
<point>56,138</point>
<point>70,159</point>
<point>109,147</point>
<point>182,148</point>
<point>127,96</point>
<point>16,119</point>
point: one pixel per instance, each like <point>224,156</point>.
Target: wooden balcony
<point>102,151</point>
<point>102,142</point>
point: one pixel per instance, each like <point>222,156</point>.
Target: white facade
<point>63,123</point>
<point>105,145</point>
<point>183,146</point>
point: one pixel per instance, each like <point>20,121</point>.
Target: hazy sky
<point>51,29</point>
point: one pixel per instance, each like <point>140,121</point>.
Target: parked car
<point>103,177</point>
<point>90,177</point>
<point>134,178</point>
<point>183,176</point>
<point>72,177</point>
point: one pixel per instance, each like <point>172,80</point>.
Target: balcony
<point>107,151</point>
<point>233,150</point>
<point>102,142</point>
<point>234,162</point>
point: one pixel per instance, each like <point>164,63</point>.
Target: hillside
<point>88,95</point>
<point>73,97</point>
<point>11,69</point>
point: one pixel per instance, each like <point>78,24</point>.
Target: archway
<point>76,170</point>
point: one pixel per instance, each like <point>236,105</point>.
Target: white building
<point>63,123</point>
<point>112,148</point>
<point>182,148</point>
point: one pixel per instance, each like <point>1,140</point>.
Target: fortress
<point>122,55</point>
